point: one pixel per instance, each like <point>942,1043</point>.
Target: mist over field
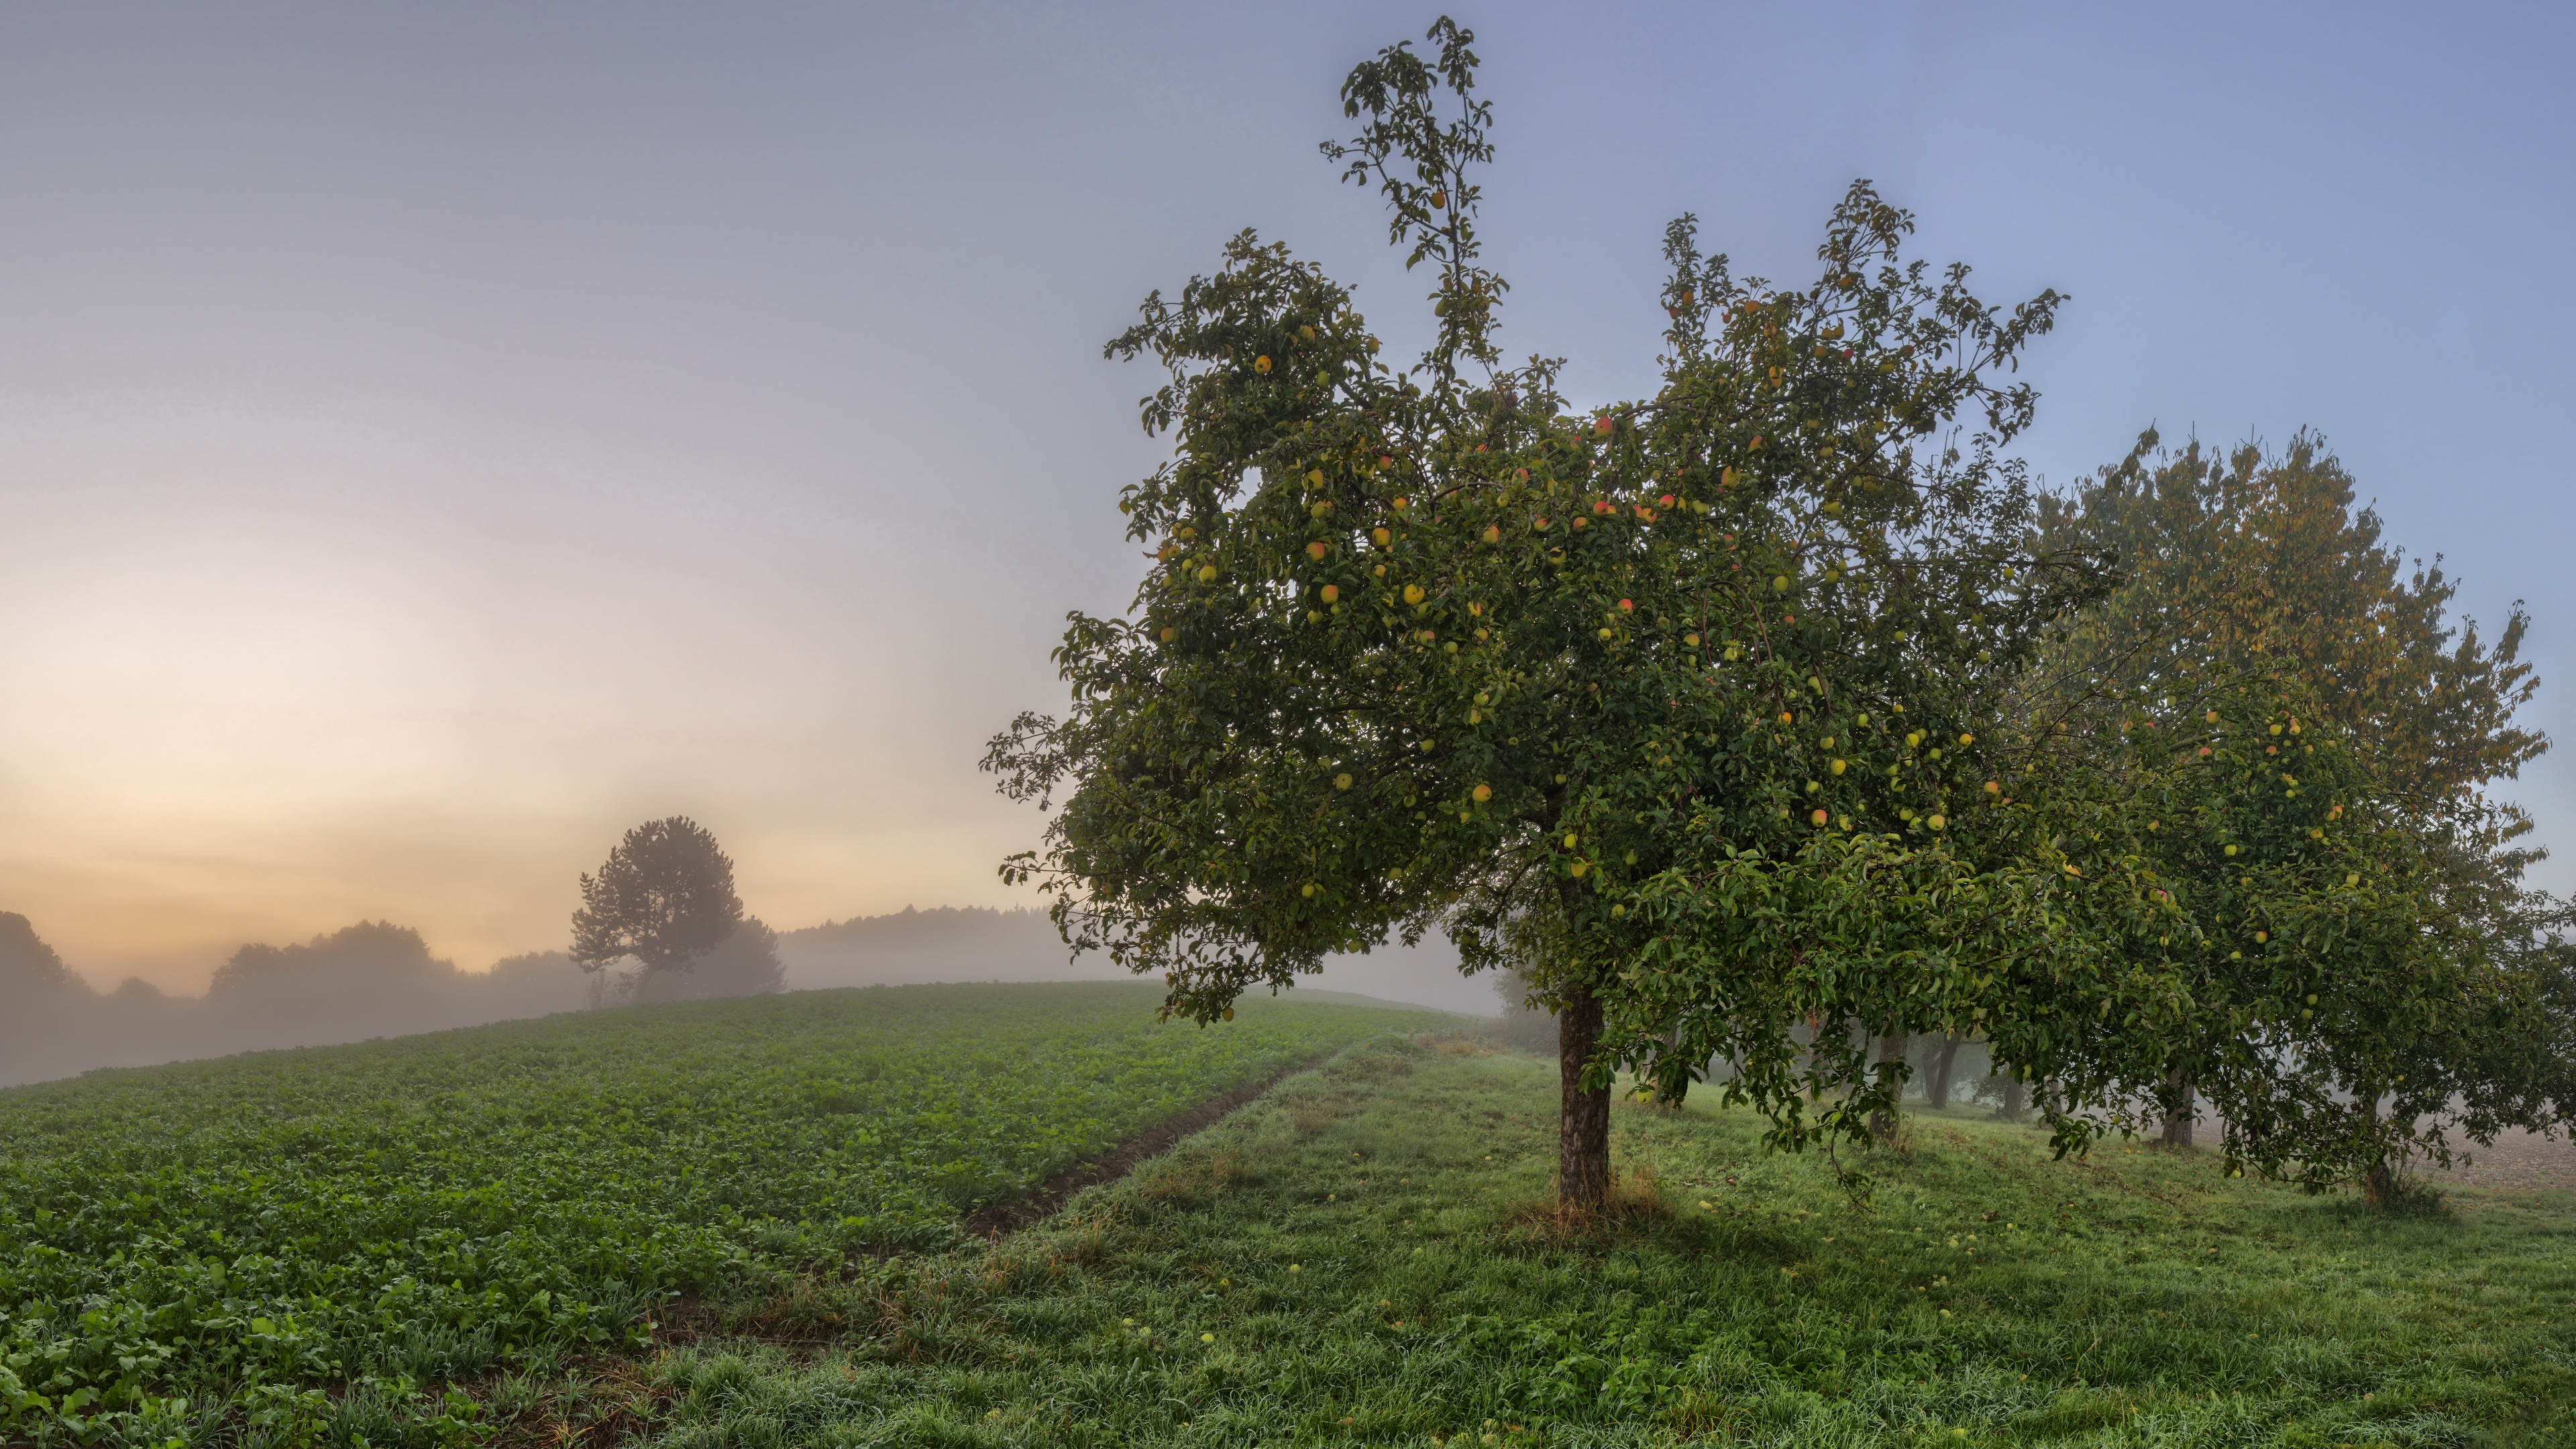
<point>378,979</point>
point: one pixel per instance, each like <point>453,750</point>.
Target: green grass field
<point>287,1245</point>
<point>476,1238</point>
<point>1365,1258</point>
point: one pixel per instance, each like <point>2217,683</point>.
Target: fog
<point>379,979</point>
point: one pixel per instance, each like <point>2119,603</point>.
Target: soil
<point>1117,1162</point>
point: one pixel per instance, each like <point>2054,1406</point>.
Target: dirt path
<point>1118,1161</point>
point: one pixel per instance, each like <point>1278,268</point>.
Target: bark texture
<point>2186,1110</point>
<point>1583,1121</point>
<point>1936,1082</point>
<point>2379,1184</point>
<point>2016,1096</point>
<point>1891,1064</point>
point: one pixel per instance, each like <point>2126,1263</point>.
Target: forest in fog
<point>376,978</point>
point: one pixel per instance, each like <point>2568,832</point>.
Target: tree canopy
<point>1726,715</point>
<point>2369,968</point>
<point>664,896</point>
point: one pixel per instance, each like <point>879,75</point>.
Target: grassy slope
<point>1360,1259</point>
<point>258,1234</point>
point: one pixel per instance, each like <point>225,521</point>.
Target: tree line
<point>660,922</point>
<point>1778,720</point>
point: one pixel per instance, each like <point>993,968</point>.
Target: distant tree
<point>665,896</point>
<point>743,964</point>
<point>31,973</point>
<point>534,983</point>
<point>372,961</point>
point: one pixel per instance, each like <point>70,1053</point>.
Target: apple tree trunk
<point>2016,1096</point>
<point>2180,1117</point>
<point>1583,1121</point>
<point>1891,1060</point>
<point>1936,1082</point>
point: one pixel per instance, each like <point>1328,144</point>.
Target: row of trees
<point>1776,719</point>
<point>660,922</point>
<point>365,980</point>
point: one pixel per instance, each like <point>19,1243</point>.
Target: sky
<point>435,439</point>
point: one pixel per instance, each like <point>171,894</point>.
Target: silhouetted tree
<point>370,979</point>
<point>30,971</point>
<point>665,897</point>
<point>43,1004</point>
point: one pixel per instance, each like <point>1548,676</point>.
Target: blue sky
<point>434,439</point>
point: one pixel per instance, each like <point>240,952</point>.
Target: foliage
<point>1986,1295</point>
<point>2357,970</point>
<point>237,1233</point>
<point>1690,707</point>
<point>665,897</point>
<point>2250,558</point>
<point>30,970</point>
<point>367,961</point>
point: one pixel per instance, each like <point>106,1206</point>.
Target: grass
<point>1367,1257</point>
<point>292,1246</point>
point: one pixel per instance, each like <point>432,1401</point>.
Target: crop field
<point>737,1223</point>
<point>322,1244</point>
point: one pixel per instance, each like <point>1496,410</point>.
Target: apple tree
<point>1689,708</point>
<point>2255,573</point>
